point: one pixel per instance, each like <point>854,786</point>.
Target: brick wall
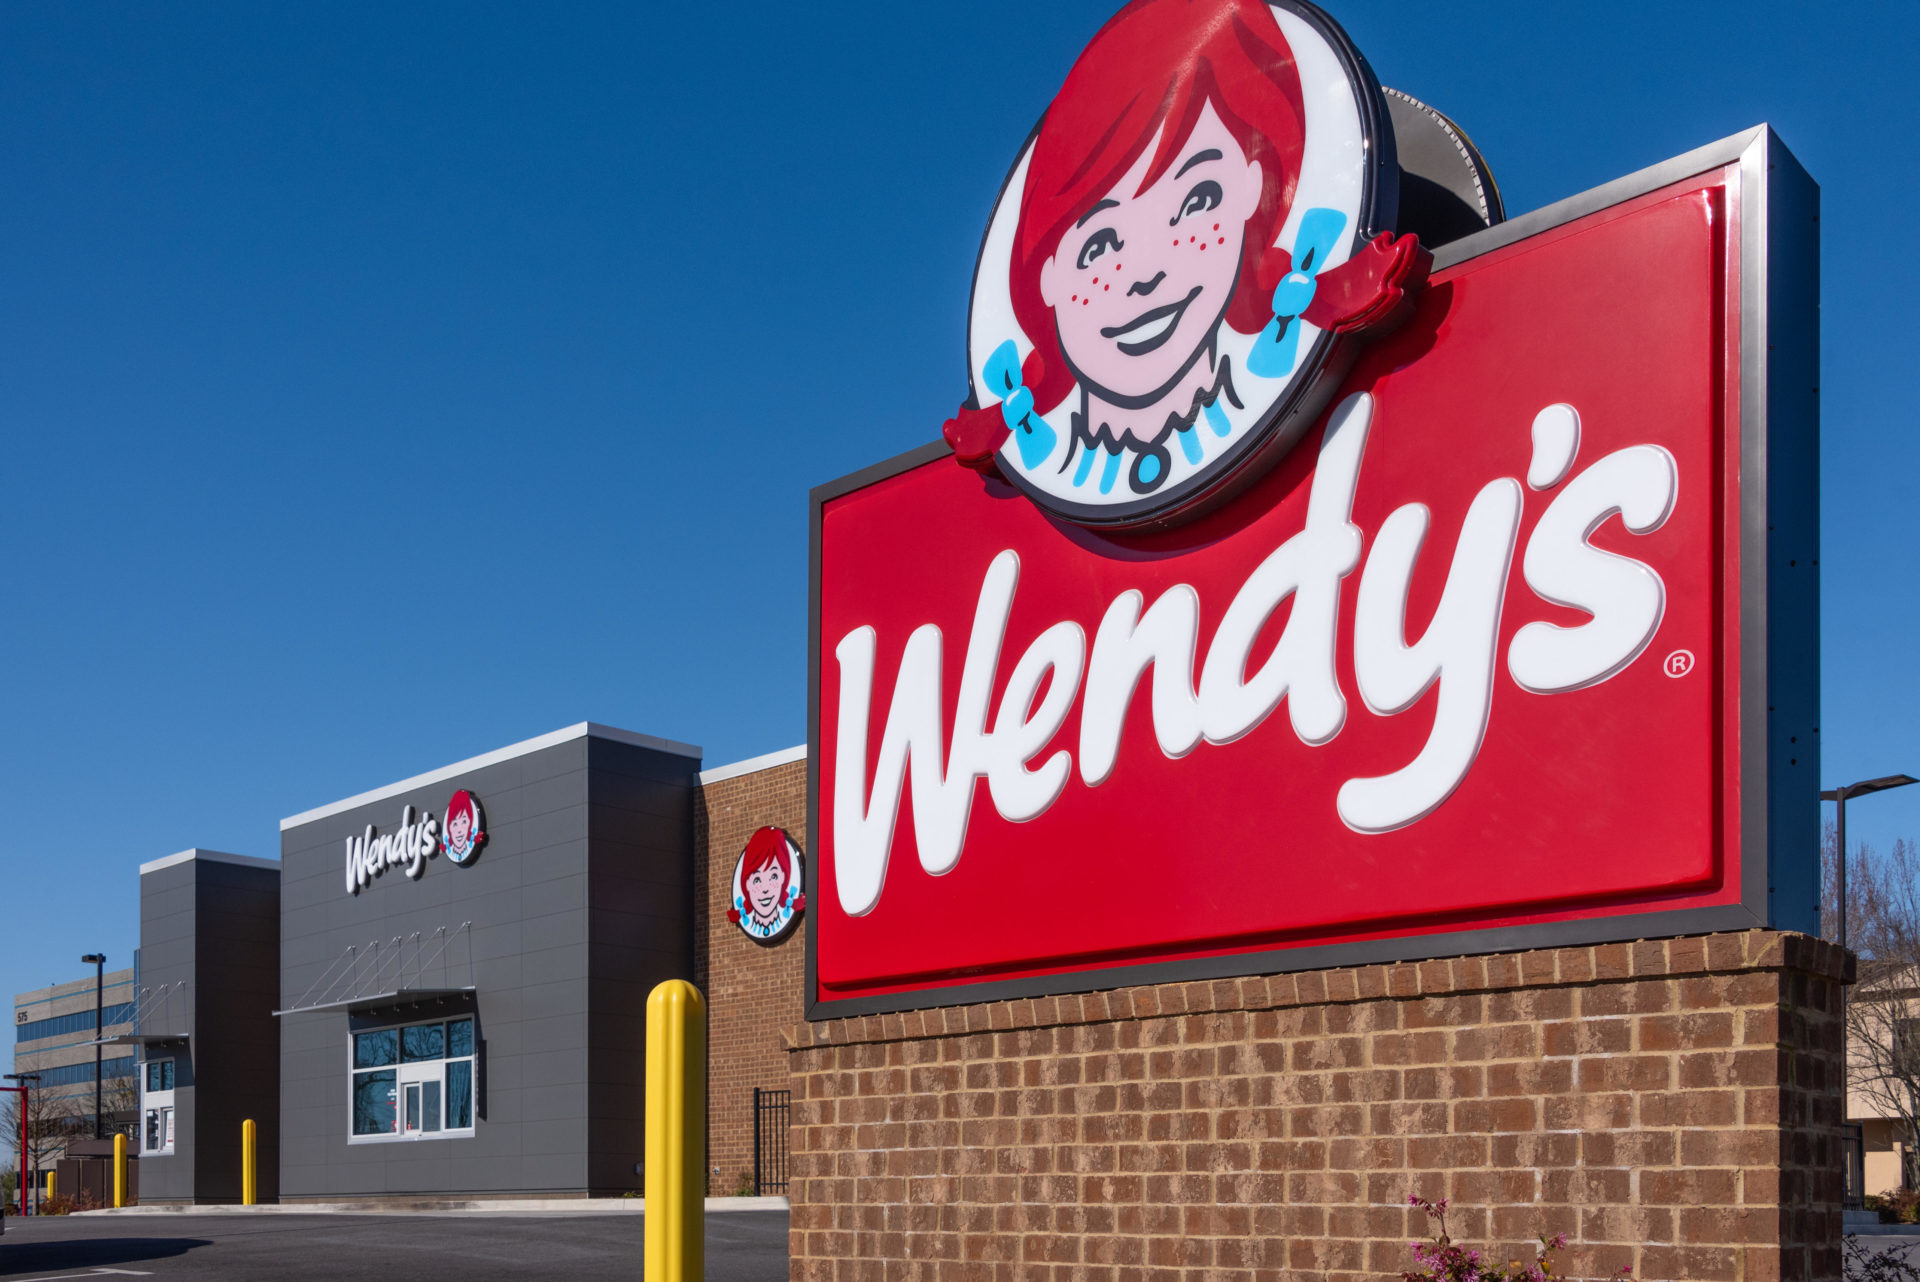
<point>754,991</point>
<point>1671,1105</point>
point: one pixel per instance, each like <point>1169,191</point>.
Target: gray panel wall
<point>167,957</point>
<point>641,920</point>
<point>215,926</point>
<point>236,1046</point>
<point>529,955</point>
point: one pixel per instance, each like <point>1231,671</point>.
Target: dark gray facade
<point>209,976</point>
<point>549,940</point>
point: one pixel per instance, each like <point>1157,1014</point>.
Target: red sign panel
<point>1481,662</point>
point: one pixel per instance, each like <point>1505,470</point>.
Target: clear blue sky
<point>382,384</point>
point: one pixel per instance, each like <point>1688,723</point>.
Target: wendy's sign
<point>1509,642</point>
<point>409,846</point>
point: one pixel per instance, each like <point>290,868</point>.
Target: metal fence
<point>1854,1155</point>
<point>771,1110</point>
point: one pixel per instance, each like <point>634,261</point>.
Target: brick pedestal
<point>1673,1105</point>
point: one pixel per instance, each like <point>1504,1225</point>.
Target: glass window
<point>78,1022</point>
<point>373,1103</point>
<point>460,1094</point>
<point>422,1042</point>
<point>155,1078</point>
<point>414,1081</point>
<point>371,1050</point>
<point>74,1074</point>
<point>459,1038</point>
<point>157,1133</point>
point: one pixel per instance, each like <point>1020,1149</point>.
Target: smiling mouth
<point>1149,329</point>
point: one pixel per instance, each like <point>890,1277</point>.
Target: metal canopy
<point>137,1039</point>
<point>380,976</point>
<point>382,1001</point>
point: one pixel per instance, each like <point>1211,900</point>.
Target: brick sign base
<point>1672,1105</point>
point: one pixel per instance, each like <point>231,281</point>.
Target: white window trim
<point>405,1074</point>
<point>170,1121</point>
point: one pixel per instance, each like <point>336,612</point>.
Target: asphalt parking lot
<point>742,1246</point>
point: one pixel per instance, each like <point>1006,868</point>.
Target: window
<point>412,1082</point>
<point>156,1107</point>
<point>74,1074</point>
<point>78,1022</point>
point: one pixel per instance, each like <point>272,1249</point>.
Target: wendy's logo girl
<point>769,890</point>
<point>461,835</point>
<point>1174,256</point>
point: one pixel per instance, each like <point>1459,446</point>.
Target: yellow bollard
<point>249,1175</point>
<point>50,1186</point>
<point>119,1170</point>
<point>676,1180</point>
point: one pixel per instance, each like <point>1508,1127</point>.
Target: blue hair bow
<point>1016,406</point>
<point>1277,345</point>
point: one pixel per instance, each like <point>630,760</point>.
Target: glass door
<point>421,1099</point>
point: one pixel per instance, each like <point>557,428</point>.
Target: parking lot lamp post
<point>1840,795</point>
<point>99,963</point>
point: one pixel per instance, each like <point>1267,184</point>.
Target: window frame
<point>421,1075</point>
<point>161,1102</point>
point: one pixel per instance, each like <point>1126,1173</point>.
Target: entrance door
<point>421,1098</point>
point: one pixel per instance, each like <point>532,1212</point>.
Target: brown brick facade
<point>754,991</point>
<point>1670,1105</point>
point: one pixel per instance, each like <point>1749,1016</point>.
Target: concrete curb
<point>452,1206</point>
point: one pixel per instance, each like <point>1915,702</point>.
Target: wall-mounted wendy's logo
<point>769,886</point>
<point>1182,260</point>
<point>462,835</point>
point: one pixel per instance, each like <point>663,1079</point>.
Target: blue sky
<point>380,385</point>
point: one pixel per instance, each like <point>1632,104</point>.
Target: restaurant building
<point>439,989</point>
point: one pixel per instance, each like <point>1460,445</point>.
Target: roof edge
<point>211,856</point>
<point>752,765</point>
<point>581,730</point>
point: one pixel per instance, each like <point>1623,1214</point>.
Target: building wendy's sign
<point>769,887</point>
<point>415,841</point>
<point>1302,597</point>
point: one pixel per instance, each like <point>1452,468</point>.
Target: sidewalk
<point>452,1206</point>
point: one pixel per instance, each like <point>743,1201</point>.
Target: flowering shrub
<point>1897,1206</point>
<point>1442,1260</point>
<point>81,1201</point>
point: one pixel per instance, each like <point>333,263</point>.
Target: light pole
<point>99,963</point>
<point>25,1113</point>
<point>1840,796</point>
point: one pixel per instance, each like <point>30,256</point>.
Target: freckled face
<point>457,830</point>
<point>764,889</point>
<point>1138,285</point>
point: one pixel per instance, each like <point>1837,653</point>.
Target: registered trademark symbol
<point>1679,663</point>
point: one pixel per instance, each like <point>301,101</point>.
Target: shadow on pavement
<point>90,1253</point>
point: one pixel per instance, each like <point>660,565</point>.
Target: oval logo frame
<point>1205,430</point>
